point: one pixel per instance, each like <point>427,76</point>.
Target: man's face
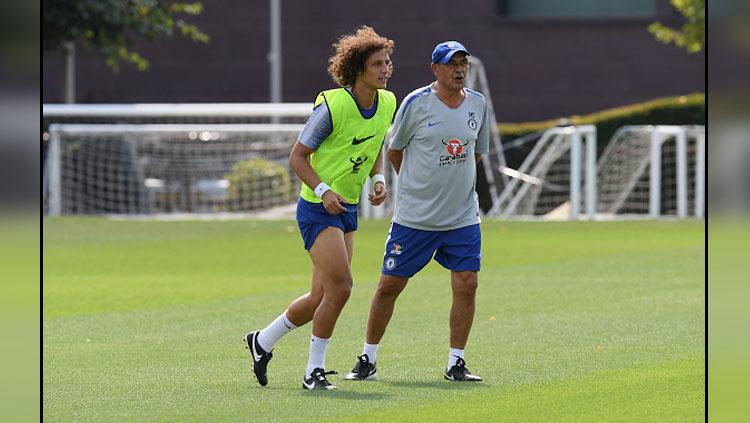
<point>452,74</point>
<point>378,69</point>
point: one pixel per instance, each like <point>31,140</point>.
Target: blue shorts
<point>408,250</point>
<point>312,218</point>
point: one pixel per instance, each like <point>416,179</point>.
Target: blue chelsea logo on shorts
<point>390,263</point>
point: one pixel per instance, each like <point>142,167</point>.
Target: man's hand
<point>379,194</point>
<point>332,202</point>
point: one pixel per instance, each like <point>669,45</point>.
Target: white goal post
<point>557,180</point>
<point>168,168</point>
<point>175,169</point>
<point>647,171</point>
<point>164,112</point>
<point>144,117</point>
<point>680,133</point>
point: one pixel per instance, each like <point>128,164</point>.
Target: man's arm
<point>300,163</point>
<point>402,132</point>
<point>395,157</point>
<point>378,166</point>
<point>483,137</point>
<point>379,193</point>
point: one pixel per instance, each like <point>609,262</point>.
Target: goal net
<point>556,180</point>
<point>489,176</point>
<point>136,140</point>
<point>654,171</point>
<point>164,168</point>
<point>169,113</point>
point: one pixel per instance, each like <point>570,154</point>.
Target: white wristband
<point>321,189</point>
<point>377,178</point>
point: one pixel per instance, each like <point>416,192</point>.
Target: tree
<point>692,35</point>
<point>108,27</point>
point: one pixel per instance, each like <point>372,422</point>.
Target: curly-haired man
<point>336,151</point>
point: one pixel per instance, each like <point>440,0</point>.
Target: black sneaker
<point>459,373</point>
<point>317,380</point>
<point>260,357</point>
<point>363,370</point>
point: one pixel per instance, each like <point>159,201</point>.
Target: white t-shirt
<point>437,180</point>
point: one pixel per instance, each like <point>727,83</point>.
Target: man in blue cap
<point>444,128</point>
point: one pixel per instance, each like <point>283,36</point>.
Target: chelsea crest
<point>472,122</point>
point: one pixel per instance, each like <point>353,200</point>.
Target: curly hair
<point>352,50</point>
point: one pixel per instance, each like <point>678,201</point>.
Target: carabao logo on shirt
<point>455,149</point>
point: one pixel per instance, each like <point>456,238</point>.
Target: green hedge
<point>256,184</point>
<point>681,110</point>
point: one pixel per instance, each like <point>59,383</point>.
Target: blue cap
<point>445,50</point>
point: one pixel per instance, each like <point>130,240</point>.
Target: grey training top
<point>437,180</point>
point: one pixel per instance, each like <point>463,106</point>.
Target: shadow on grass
<point>340,394</point>
<point>435,384</point>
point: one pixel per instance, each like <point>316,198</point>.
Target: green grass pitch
<point>575,321</point>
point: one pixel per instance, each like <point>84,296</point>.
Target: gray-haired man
<point>439,134</point>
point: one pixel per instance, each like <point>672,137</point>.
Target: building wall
<point>538,68</point>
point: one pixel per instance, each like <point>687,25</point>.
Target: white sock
<point>317,360</point>
<point>371,350</point>
<point>453,357</point>
<point>268,337</point>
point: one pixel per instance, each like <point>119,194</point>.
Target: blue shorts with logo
<point>312,218</point>
<point>408,250</point>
